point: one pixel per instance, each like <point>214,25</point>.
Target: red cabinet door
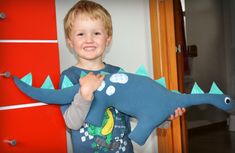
<point>41,59</point>
<point>32,130</point>
<point>35,129</point>
<point>30,25</point>
<point>28,19</point>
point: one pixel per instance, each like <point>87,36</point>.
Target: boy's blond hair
<point>90,9</point>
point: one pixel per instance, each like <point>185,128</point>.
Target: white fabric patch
<point>91,137</point>
<point>83,138</point>
<point>119,78</point>
<point>82,130</point>
<point>110,90</point>
<point>123,149</point>
<point>101,86</point>
<point>116,111</point>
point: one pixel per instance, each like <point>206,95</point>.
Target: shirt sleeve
<point>76,113</point>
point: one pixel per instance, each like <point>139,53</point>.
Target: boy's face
<point>88,38</point>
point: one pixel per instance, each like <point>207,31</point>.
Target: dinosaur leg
<point>95,116</point>
<point>141,132</point>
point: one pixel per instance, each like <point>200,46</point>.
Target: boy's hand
<point>178,112</point>
<point>89,84</point>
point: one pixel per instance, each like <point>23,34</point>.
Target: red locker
<point>28,19</point>
<point>40,59</point>
<point>28,44</point>
<point>33,130</point>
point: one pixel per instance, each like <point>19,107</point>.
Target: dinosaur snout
<point>231,103</point>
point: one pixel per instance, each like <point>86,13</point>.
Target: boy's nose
<point>89,39</point>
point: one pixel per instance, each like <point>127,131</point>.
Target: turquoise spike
<point>47,83</point>
<point>66,83</point>
<point>196,89</point>
<point>83,74</point>
<point>27,79</point>
<point>121,70</point>
<point>142,71</point>
<point>103,73</point>
<point>162,81</point>
<point>215,89</point>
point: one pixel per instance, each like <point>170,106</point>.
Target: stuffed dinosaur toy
<point>136,95</point>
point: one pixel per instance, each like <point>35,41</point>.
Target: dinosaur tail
<point>49,96</point>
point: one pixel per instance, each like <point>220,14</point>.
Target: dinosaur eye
<point>227,100</point>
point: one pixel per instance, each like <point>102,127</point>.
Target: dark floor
<point>212,139</point>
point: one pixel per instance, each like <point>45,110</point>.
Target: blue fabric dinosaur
<point>138,96</point>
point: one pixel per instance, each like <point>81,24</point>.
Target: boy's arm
<point>76,113</point>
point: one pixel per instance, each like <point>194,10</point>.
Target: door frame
<point>165,64</point>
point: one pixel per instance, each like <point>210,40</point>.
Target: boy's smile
<point>89,48</point>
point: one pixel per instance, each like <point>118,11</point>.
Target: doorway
<point>210,40</point>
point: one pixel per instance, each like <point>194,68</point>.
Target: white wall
<point>131,45</point>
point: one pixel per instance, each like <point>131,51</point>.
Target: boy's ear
<point>69,43</point>
<point>109,39</point>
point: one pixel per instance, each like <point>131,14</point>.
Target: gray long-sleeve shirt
<point>76,113</point>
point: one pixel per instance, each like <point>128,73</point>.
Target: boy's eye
<point>97,33</point>
<point>80,34</point>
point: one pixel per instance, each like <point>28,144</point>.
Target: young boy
<point>88,31</point>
